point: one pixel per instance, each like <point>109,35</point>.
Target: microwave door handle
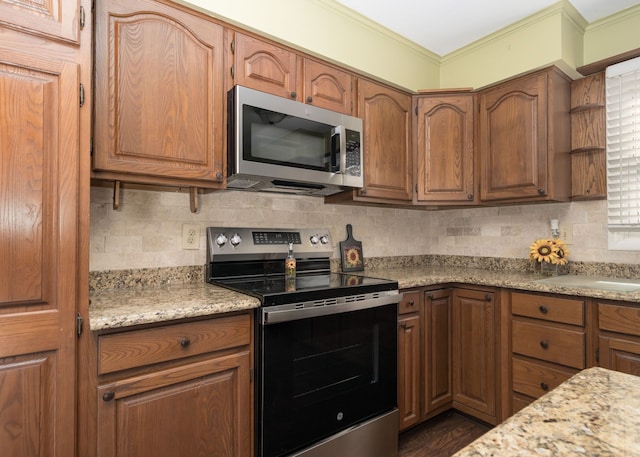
<point>335,164</point>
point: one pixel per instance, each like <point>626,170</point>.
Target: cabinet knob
<point>403,325</point>
<point>109,395</point>
<point>488,297</point>
<point>541,191</point>
<point>185,342</point>
<point>294,95</point>
<point>469,196</point>
<point>410,303</point>
<point>309,99</point>
<point>544,386</point>
<point>543,309</point>
<point>544,344</point>
<point>218,176</point>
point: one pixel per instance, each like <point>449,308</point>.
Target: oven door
<point>320,375</point>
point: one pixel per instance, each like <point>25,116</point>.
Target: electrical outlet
<point>566,233</point>
<point>190,236</point>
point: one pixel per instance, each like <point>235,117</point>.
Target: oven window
<point>280,139</point>
<point>325,374</point>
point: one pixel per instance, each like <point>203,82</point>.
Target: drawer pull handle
<point>544,386</point>
<point>543,309</point>
<point>109,395</point>
<point>410,303</point>
<point>544,344</point>
<point>403,325</point>
<point>488,297</point>
<point>185,342</point>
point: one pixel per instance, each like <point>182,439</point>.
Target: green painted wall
<point>557,35</point>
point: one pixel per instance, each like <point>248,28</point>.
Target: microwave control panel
<point>353,156</point>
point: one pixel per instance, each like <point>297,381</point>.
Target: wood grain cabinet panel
<point>619,336</point>
<point>409,379</point>
<point>160,95</point>
<point>524,138</point>
<point>386,115</point>
<point>536,379</point>
<point>56,19</point>
<point>202,408</point>
<point>328,87</point>
<point>558,345</point>
<point>445,149</point>
<point>136,348</point>
<point>549,308</point>
<point>264,66</point>
<point>474,353</point>
<point>437,351</point>
<point>39,188</point>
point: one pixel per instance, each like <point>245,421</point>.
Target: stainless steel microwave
<point>281,145</point>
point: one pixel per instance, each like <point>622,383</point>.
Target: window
<point>623,154</point>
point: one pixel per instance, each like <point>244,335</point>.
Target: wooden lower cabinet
<point>437,347</point>
<point>619,336</point>
<point>177,389</point>
<point>548,343</point>
<point>474,353</point>
<point>409,376</point>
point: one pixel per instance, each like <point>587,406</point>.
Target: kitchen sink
<point>593,282</point>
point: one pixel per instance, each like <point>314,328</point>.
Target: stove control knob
<point>324,239</point>
<point>314,239</point>
<point>235,239</point>
<point>221,240</point>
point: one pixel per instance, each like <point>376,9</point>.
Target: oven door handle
<point>285,315</point>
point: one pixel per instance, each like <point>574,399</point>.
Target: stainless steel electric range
<point>326,344</point>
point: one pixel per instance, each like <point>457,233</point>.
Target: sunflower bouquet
<point>548,251</point>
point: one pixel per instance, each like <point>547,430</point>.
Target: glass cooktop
<point>276,289</point>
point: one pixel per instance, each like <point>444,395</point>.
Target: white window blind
<point>623,146</point>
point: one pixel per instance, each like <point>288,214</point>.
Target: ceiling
<point>442,26</point>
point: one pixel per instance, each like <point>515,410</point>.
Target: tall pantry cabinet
<point>45,77</point>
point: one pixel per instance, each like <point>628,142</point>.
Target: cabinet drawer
<point>410,302</point>
<point>552,344</point>
<point>621,319</point>
<point>120,351</point>
<point>556,309</point>
<point>534,379</point>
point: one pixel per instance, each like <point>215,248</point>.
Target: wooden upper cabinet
<point>444,149</point>
<point>328,87</point>
<point>524,138</point>
<point>57,19</point>
<point>159,95</point>
<point>276,70</point>
<point>264,66</point>
<point>39,191</point>
<point>386,115</point>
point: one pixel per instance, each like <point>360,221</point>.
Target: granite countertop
<point>116,308</point>
<point>420,276</point>
<point>594,413</point>
<point>130,301</point>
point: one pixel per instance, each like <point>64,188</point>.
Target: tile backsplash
<point>146,231</point>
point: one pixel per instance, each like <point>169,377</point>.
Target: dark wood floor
<point>441,436</point>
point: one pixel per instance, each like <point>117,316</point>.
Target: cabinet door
<point>160,93</point>
<point>409,370</point>
<point>387,141</point>
<point>328,87</point>
<point>444,146</point>
<point>264,66</point>
<point>52,19</point>
<point>198,409</point>
<point>438,386</point>
<point>620,354</point>
<point>474,352</point>
<point>39,138</point>
<point>513,139</point>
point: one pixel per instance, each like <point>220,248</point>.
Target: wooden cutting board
<point>351,253</point>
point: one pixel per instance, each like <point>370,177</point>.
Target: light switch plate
<point>190,236</point>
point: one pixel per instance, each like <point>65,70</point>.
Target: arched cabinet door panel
<point>160,97</point>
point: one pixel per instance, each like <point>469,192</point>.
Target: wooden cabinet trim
<point>550,308</point>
